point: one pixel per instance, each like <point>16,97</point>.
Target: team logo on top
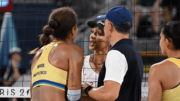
<point>40,65</point>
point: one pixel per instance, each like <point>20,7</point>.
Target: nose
<point>92,36</point>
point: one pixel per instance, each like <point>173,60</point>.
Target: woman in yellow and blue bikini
<point>56,67</point>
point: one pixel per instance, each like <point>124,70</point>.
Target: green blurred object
<point>146,68</point>
<point>146,2</point>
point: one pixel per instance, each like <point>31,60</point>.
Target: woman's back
<point>171,80</point>
<point>50,71</point>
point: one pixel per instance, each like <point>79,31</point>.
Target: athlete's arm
<point>155,88</point>
<point>74,77</point>
<point>31,90</point>
<point>33,63</point>
<point>75,67</point>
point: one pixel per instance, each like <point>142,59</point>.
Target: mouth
<point>91,43</point>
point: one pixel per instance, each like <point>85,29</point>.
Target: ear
<point>73,31</point>
<point>168,43</point>
<point>109,26</point>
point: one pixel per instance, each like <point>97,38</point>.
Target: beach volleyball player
<point>164,77</point>
<point>93,63</point>
<point>56,67</point>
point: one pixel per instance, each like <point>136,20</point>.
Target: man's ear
<point>109,25</point>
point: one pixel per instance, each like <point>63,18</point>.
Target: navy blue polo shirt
<point>123,65</point>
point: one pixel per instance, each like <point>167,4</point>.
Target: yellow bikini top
<point>44,73</point>
<point>172,94</point>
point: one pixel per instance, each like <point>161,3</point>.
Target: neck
<point>115,37</point>
<point>173,53</point>
<point>100,55</point>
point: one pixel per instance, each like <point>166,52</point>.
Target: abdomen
<point>47,93</point>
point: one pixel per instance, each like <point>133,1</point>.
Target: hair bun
<point>48,30</point>
<point>53,23</point>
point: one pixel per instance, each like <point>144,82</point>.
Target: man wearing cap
<point>122,72</point>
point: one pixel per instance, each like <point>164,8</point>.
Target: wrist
<point>87,90</point>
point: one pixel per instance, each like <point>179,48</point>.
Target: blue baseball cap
<point>119,16</point>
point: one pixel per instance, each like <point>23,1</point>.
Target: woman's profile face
<point>162,43</point>
<point>74,30</point>
<point>97,40</point>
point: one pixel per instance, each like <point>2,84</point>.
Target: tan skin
<point>100,48</point>
<point>164,75</point>
<point>67,56</point>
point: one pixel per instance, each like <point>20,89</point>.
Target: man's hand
<point>83,87</point>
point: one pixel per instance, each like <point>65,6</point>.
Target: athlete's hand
<point>83,87</point>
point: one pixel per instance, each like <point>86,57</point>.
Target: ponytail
<point>45,38</point>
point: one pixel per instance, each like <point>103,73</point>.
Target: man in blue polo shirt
<point>121,75</point>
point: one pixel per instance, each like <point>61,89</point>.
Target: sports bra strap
<point>175,60</point>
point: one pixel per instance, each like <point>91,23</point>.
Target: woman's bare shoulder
<point>75,49</point>
<point>71,50</point>
<point>161,68</point>
<point>162,65</point>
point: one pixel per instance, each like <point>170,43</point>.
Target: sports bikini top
<point>174,93</point>
<point>44,73</point>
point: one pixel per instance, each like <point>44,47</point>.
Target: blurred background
<point>21,23</point>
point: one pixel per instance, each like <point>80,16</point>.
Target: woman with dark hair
<point>164,77</point>
<point>93,63</point>
<point>56,67</point>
